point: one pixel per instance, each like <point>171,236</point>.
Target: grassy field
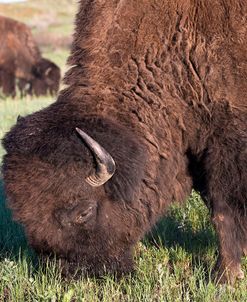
<point>174,264</point>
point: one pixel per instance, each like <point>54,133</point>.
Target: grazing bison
<point>156,105</point>
<point>46,78</point>
<point>21,62</point>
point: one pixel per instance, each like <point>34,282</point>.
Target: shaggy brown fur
<point>21,62</point>
<point>162,86</point>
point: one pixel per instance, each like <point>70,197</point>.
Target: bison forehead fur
<point>161,86</point>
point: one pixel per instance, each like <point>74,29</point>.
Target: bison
<point>21,63</point>
<point>155,105</point>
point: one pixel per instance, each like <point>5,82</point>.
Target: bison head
<point>74,198</point>
<point>46,78</point>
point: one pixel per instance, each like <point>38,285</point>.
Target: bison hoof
<point>245,251</point>
<point>229,275</point>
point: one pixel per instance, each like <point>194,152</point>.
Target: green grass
<point>179,270</point>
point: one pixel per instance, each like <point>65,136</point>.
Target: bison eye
<point>79,215</point>
<point>85,216</point>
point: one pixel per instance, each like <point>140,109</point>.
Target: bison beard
<point>162,88</point>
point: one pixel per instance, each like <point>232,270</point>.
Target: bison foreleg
<point>228,266</point>
<point>225,187</point>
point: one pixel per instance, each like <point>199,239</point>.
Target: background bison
<point>21,63</point>
<point>161,90</point>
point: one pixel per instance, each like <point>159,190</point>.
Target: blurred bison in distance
<point>46,78</point>
<point>21,63</point>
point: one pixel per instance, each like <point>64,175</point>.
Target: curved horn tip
<point>105,163</point>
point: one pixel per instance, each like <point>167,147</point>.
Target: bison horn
<point>48,71</point>
<point>105,164</point>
